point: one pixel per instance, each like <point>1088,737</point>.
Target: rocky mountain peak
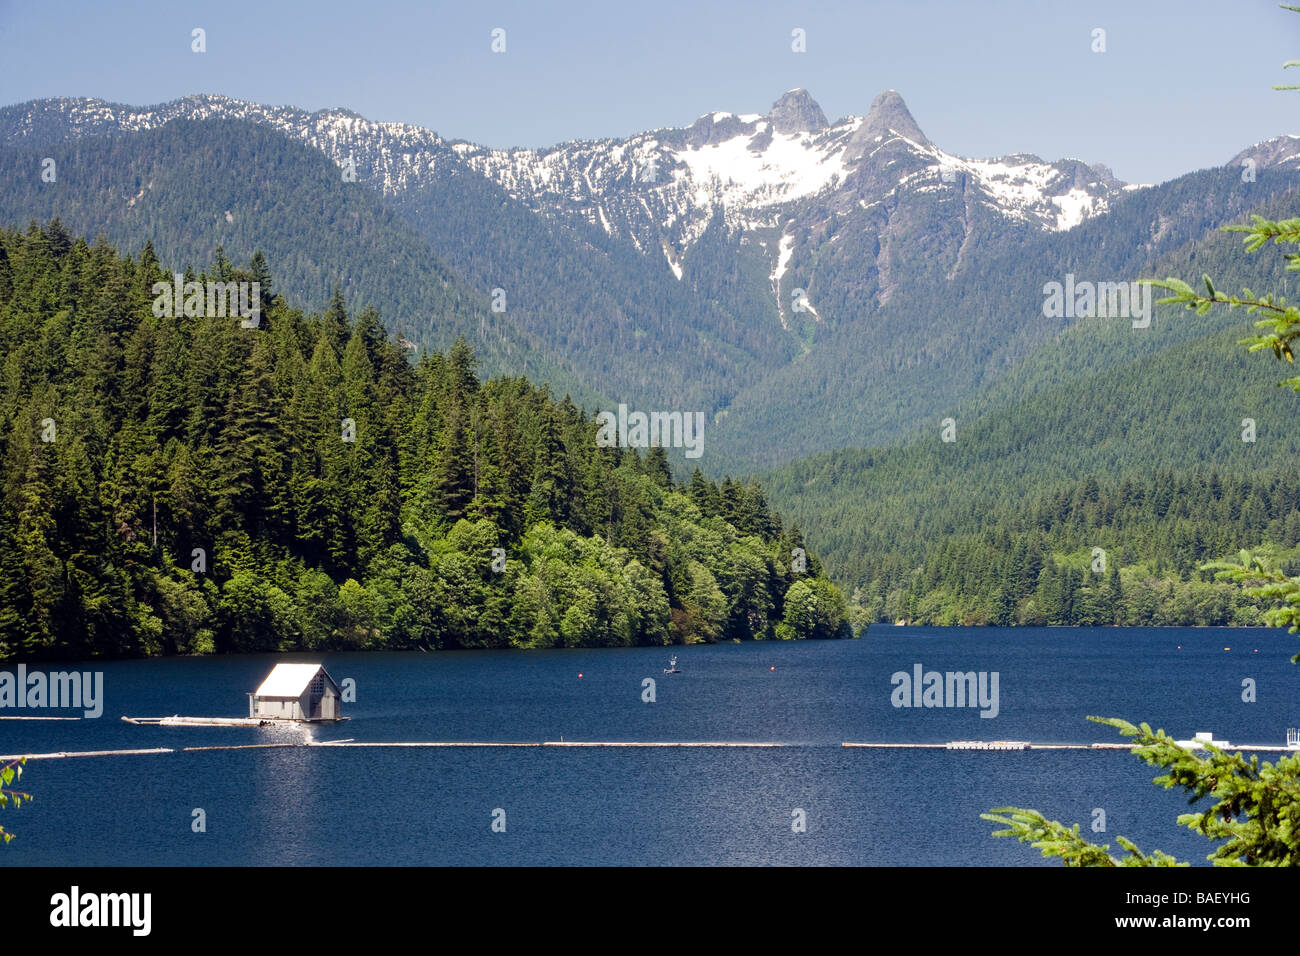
<point>797,112</point>
<point>1278,151</point>
<point>889,112</point>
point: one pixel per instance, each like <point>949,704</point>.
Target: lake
<point>632,806</point>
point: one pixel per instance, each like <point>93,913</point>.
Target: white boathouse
<point>297,692</point>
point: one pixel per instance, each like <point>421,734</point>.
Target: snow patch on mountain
<point>674,264</point>
<point>734,174</point>
<point>785,249</point>
<point>1076,205</point>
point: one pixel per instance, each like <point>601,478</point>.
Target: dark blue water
<point>319,805</point>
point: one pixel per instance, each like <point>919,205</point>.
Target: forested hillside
<point>1163,447</point>
<point>610,315</point>
<point>1089,553</point>
<point>978,338</point>
<point>185,485</point>
<point>190,188</point>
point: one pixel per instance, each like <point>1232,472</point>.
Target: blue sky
<point>1181,86</point>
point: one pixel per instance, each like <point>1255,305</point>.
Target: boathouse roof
<point>290,680</point>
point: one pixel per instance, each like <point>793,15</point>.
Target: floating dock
<point>178,721</point>
<point>84,753</point>
<point>992,745</point>
<point>977,745</point>
<point>661,743</point>
<point>422,743</point>
<point>1026,745</point>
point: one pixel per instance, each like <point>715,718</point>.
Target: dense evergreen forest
<point>186,485</point>
<point>1152,462</point>
<point>1125,552</point>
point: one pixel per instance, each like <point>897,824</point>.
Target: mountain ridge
<point>697,264</point>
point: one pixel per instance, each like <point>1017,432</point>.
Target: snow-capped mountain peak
<point>785,171</point>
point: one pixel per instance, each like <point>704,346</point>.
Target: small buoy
<point>772,668</point>
<point>1227,648</point>
<point>1180,647</point>
<point>579,675</point>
